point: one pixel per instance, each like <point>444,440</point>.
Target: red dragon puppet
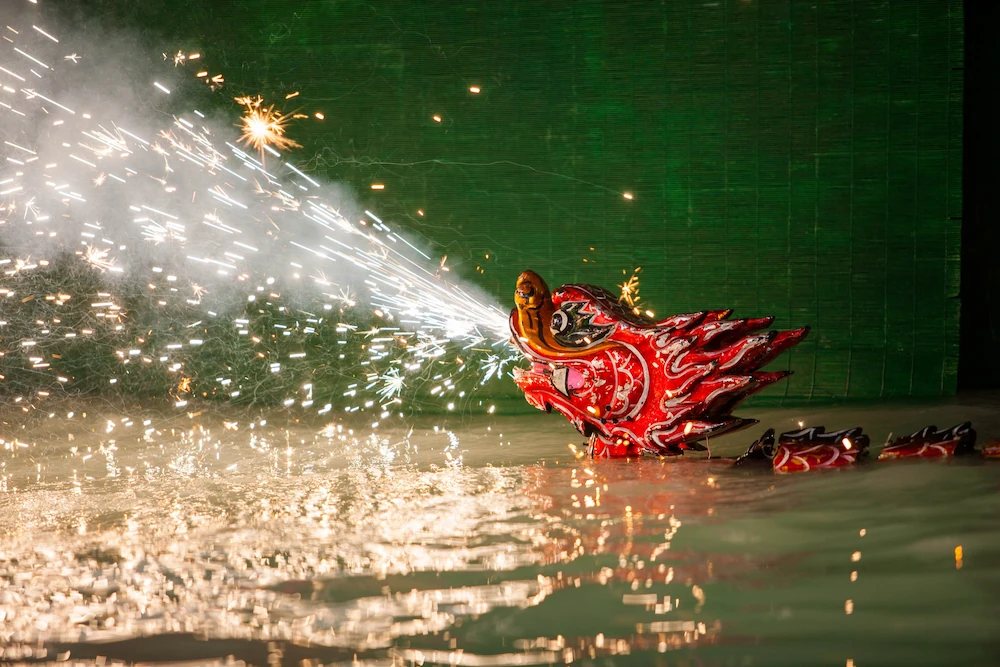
<point>633,385</point>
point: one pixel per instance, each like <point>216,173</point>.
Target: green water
<point>485,543</point>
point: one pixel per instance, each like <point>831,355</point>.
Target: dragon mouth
<point>537,368</point>
<point>558,376</point>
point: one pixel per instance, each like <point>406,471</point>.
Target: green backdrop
<point>785,157</point>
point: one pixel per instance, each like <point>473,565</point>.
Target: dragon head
<point>629,383</point>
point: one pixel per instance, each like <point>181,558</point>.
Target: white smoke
<point>104,157</point>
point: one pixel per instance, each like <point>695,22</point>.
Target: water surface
<point>206,537</point>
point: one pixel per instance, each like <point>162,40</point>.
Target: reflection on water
<point>475,544</point>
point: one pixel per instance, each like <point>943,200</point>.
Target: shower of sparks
<point>263,126</point>
<point>122,233</point>
<point>493,365</point>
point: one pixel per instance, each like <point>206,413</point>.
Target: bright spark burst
<point>392,384</point>
<point>345,297</point>
<point>99,258</point>
<point>263,126</point>
<point>630,289</point>
<point>29,207</point>
<point>493,366</point>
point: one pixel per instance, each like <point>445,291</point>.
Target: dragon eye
<point>560,322</point>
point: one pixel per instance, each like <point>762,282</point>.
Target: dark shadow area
<point>979,357</point>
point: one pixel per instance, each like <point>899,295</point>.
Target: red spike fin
<point>781,342</point>
<point>720,388</point>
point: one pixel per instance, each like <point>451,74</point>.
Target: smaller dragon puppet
<point>634,385</point>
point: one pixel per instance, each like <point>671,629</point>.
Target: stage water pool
<point>134,536</point>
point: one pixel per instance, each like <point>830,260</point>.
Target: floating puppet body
<point>808,449</point>
<point>814,449</point>
<point>631,384</point>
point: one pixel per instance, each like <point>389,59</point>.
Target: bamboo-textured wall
<point>801,159</point>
